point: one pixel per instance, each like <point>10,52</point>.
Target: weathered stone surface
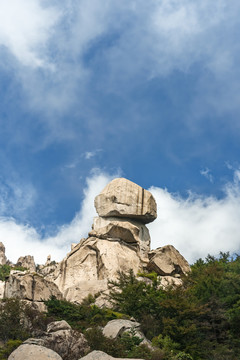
<point>60,337</point>
<point>93,262</point>
<point>48,262</point>
<point>115,328</point>
<point>2,285</point>
<point>3,259</point>
<point>58,325</point>
<point>36,352</point>
<point>167,261</point>
<point>31,287</point>
<point>27,262</point>
<point>47,270</point>
<point>69,344</point>
<point>126,230</point>
<point>100,355</point>
<point>123,198</point>
<point>167,281</point>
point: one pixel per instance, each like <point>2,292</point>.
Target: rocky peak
<point>3,259</point>
<point>27,262</point>
<point>125,199</point>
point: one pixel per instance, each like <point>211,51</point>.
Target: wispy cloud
<point>90,154</point>
<point>70,40</point>
<point>207,174</point>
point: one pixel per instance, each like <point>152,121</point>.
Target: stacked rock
<point>124,208</point>
<point>119,241</point>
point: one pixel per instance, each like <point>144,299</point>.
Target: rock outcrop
<point>27,262</point>
<point>36,352</point>
<point>119,233</point>
<point>116,328</point>
<point>30,287</point>
<point>167,261</point>
<point>118,242</point>
<point>91,264</point>
<point>62,339</point>
<point>3,259</point>
<point>123,198</point>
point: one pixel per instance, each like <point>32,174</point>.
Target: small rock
<point>58,325</point>
<point>115,328</point>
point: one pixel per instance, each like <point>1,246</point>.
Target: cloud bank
<point>196,225</point>
<point>60,47</point>
<point>22,239</point>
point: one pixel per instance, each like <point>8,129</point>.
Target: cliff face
<point>119,241</point>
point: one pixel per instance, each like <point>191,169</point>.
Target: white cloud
<point>25,28</point>
<point>134,41</point>
<point>198,225</point>
<point>22,240</point>
<point>207,174</point>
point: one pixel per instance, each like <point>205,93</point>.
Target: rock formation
<point>30,287</point>
<point>3,259</point>
<point>167,261</point>
<point>117,235</point>
<point>62,339</point>
<point>123,198</point>
<point>116,328</point>
<point>27,262</point>
<point>118,242</point>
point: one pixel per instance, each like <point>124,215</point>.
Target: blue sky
<point>95,89</point>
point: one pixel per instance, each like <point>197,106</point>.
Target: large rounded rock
<point>123,198</point>
<point>30,352</point>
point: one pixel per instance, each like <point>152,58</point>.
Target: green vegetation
<point>197,321</point>
<point>83,316</point>
<point>5,270</point>
<point>200,318</point>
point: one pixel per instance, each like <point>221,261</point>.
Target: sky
<point>93,90</point>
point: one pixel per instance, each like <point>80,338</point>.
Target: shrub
<point>8,348</point>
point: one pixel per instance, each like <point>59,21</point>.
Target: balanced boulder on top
<point>123,198</point>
